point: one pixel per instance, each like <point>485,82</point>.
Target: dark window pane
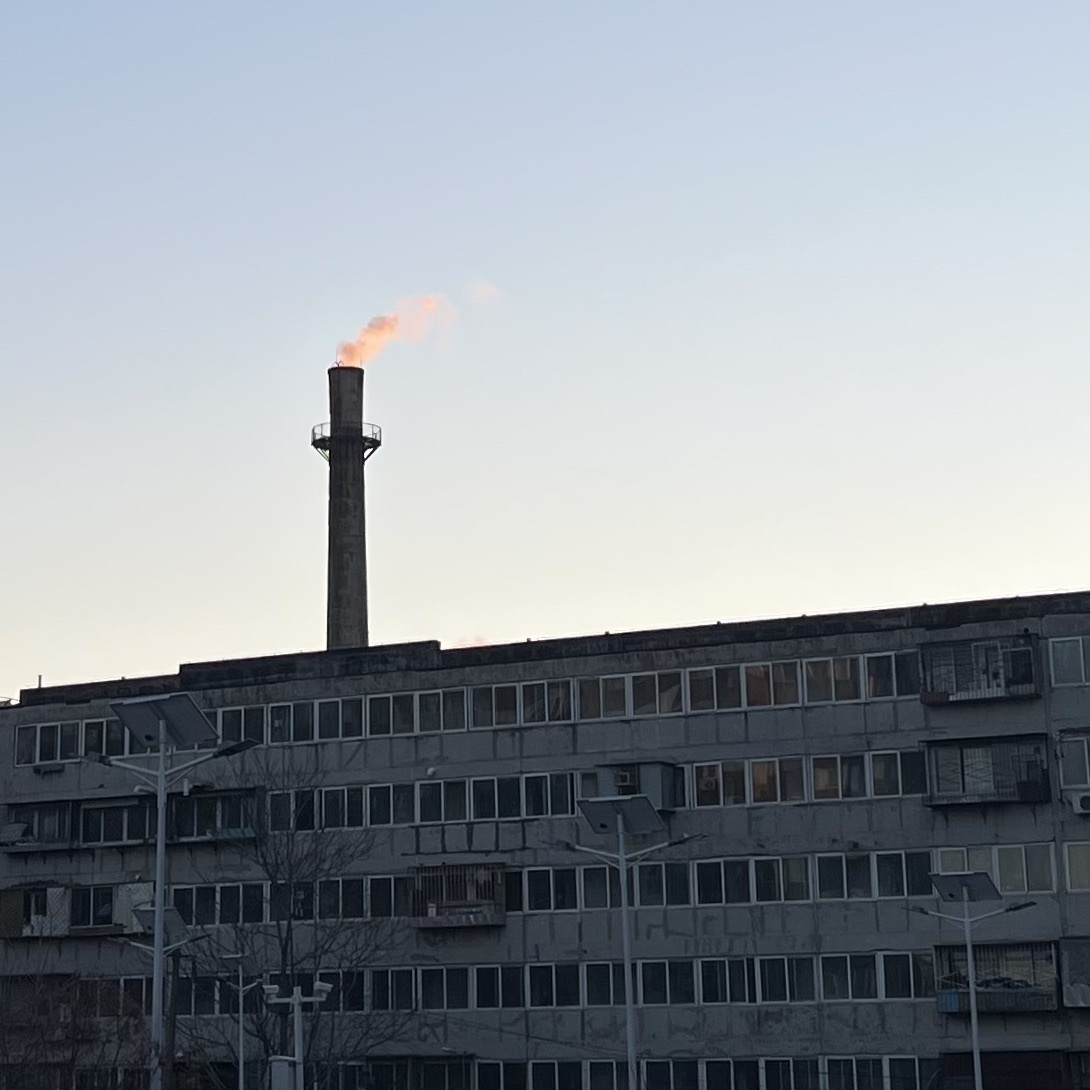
<point>509,800</point>
<point>564,896</point>
<point>885,771</point>
<point>537,803</point>
<point>736,881</point>
<point>482,707</point>
<point>644,695</point>
<point>682,985</point>
<point>506,698</point>
<point>728,687</point>
<point>454,709</point>
<point>484,799</point>
<point>846,678</point>
<point>773,980</point>
<point>879,676</point>
<point>488,993</point>
<point>302,728</point>
<point>830,877</point>
<point>701,690</point>
<point>230,904</point>
<point>567,985</point>
<point>864,977</point>
<point>853,777</point>
<point>559,693</point>
<point>379,720</point>
<point>834,977</point>
<point>819,681</point>
<point>279,723</point>
<point>785,682</point>
<point>533,702</point>
<point>898,975</point>
<point>404,803</point>
<point>913,772</point>
<point>378,807</point>
<point>329,719</point>
<point>253,902</point>
<point>454,800</point>
<point>918,874</point>
<point>891,879</point>
<point>431,802</point>
<point>767,879</point>
<point>430,712</point>
<point>351,718</point>
<point>539,890</point>
<point>590,698</point>
<point>404,717</point>
<point>669,693</point>
<point>614,701</point>
<point>859,876</point>
<point>758,686</point>
<point>908,673</point>
<point>677,884</point>
<point>653,982</point>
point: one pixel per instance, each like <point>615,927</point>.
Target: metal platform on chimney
<point>370,439</point>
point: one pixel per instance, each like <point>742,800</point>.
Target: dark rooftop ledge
<point>428,655</point>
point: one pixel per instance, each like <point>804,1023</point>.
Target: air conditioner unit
<point>1079,801</point>
<point>626,781</point>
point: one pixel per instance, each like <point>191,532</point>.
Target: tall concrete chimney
<point>346,442</point>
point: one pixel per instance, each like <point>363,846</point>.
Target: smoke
<point>410,321</point>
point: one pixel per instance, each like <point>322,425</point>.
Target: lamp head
<point>322,988</point>
<point>271,991</point>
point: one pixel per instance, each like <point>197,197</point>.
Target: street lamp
<point>970,887</point>
<point>296,1001</point>
<point>157,722</point>
<point>243,990</point>
<point>624,815</point>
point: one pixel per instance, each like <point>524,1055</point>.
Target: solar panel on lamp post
<point>624,816</point>
<point>970,887</point>
<point>160,722</point>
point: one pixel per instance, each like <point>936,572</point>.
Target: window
<point>444,989</point>
<point>779,780</point>
<point>1074,767</point>
<point>656,694</point>
<point>391,804</point>
<point>603,698</point>
<point>757,980</point>
<point>839,777</point>
<point>49,742</point>
<point>1077,861</point>
<point>546,702</point>
<point>877,976</point>
<point>718,688</point>
<point>721,784</point>
<point>340,899</point>
<point>116,824</point>
<point>601,887</point>
<point>902,874</point>
<point>392,989</point>
<point>1014,868</point>
<point>1070,659</point>
<point>443,800</point>
<point>551,890</point>
<point>844,876</point>
<point>538,795</point>
<point>891,675</point>
<point>237,724</point>
<point>48,823</point>
<point>342,808</point>
<point>499,986</point>
<point>898,773</point>
<point>207,815</point>
<point>554,985</point>
<point>667,982</point>
<point>92,906</point>
<point>604,984</point>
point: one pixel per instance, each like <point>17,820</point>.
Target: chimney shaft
<point>347,445</point>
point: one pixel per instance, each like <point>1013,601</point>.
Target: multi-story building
<point>405,831</point>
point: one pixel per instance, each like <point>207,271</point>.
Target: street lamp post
<point>158,722</point>
<point>296,1001</point>
<point>243,990</point>
<point>969,887</point>
<point>624,816</point>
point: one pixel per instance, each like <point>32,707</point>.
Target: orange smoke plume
<point>410,321</point>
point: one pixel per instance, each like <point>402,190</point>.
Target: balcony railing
<point>972,670</point>
<point>459,895</point>
<point>998,1000</point>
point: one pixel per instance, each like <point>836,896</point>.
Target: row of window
<point>190,817</point>
<point>772,1073</point>
<point>675,982</point>
<point>445,1073</point>
<point>809,779</point>
<point>1015,868</point>
<point>785,683</point>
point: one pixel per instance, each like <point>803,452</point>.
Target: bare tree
<point>55,1026</point>
<point>296,913</point>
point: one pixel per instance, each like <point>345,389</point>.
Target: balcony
<point>459,895</point>
<point>988,770</point>
<point>997,1000</point>
<point>976,670</point>
<point>1010,979</point>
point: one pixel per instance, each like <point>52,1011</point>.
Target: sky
<point>753,310</point>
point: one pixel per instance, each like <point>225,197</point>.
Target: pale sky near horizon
<point>762,309</point>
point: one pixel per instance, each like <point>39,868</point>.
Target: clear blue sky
<point>790,315</point>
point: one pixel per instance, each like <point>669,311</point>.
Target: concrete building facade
<point>404,831</point>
